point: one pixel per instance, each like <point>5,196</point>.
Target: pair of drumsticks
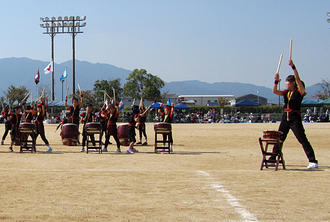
<point>281,57</point>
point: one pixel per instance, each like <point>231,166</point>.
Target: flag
<point>169,102</point>
<point>49,68</point>
<point>121,105</point>
<point>64,75</point>
<point>37,77</point>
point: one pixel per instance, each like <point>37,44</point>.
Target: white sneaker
<point>82,149</point>
<point>10,149</point>
<point>312,165</point>
<point>134,150</point>
<point>49,150</point>
<point>129,151</point>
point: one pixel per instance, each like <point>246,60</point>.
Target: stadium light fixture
<point>63,25</point>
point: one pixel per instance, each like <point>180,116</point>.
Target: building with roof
<point>206,100</point>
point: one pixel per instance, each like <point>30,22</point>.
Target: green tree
<point>89,98</point>
<point>107,85</point>
<point>223,102</point>
<point>15,94</point>
<point>142,84</point>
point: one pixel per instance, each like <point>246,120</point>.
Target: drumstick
<point>27,95</point>
<point>79,88</point>
<point>141,102</point>
<point>114,94</point>
<point>108,95</point>
<point>66,91</point>
<point>104,97</point>
<point>133,102</point>
<point>291,49</point>
<point>279,64</point>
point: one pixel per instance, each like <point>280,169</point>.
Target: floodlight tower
<point>67,25</point>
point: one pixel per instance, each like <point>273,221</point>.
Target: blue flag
<point>169,102</point>
<point>64,75</point>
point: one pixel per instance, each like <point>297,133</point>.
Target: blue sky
<point>207,40</point>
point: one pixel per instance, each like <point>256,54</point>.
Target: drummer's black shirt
<point>292,104</point>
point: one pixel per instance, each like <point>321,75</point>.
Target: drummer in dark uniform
<point>291,119</point>
<point>39,119</point>
<point>142,125</point>
<point>74,110</point>
<point>103,120</point>
<point>15,119</point>
<point>6,111</point>
<point>167,117</point>
<point>28,112</point>
<point>112,117</point>
<point>87,117</point>
<point>134,118</point>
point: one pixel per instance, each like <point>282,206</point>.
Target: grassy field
<point>213,175</point>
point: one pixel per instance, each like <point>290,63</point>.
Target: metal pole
<point>52,90</point>
<point>62,89</point>
<point>73,61</point>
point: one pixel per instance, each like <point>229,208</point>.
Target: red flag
<point>37,77</point>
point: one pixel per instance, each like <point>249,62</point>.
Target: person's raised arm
<point>297,77</point>
<point>81,98</point>
<point>66,102</point>
<point>275,87</point>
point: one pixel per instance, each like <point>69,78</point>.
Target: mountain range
<point>21,71</point>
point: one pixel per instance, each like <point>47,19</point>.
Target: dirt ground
<point>213,175</point>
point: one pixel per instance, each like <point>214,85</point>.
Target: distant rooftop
<point>206,96</point>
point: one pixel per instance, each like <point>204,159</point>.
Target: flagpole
<point>62,89</point>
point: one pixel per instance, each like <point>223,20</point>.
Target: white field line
<point>233,201</point>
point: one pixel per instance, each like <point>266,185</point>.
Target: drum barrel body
<point>24,130</point>
<point>162,127</point>
<point>70,134</point>
<point>122,131</point>
<point>93,127</point>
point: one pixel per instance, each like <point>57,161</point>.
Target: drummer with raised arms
<point>167,117</point>
<point>142,124</point>
<point>87,117</point>
<point>112,117</point>
<point>28,112</point>
<point>15,119</point>
<point>74,110</point>
<point>293,96</point>
<point>133,119</point>
<point>103,120</point>
<point>6,110</point>
<point>39,118</point>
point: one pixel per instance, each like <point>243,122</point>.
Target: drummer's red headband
<point>39,105</point>
<point>168,107</point>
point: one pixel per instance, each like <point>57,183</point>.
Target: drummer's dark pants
<point>295,124</point>
<point>13,133</point>
<point>103,129</point>
<point>142,130</point>
<point>85,138</point>
<point>41,132</point>
<point>111,131</point>
<point>7,129</point>
<point>131,134</point>
<point>170,138</point>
